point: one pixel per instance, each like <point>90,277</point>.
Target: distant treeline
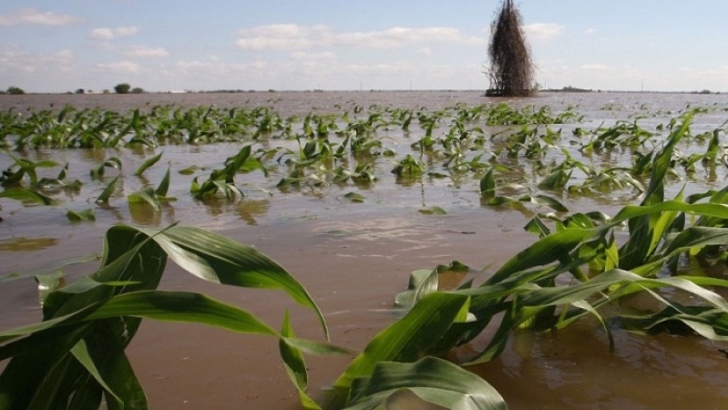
<point>569,89</point>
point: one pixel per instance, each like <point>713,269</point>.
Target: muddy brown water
<point>353,259</point>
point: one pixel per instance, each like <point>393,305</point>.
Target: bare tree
<point>511,69</point>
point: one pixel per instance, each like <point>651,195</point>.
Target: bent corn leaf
<point>410,338</point>
<point>148,164</point>
<point>217,259</point>
<point>433,380</point>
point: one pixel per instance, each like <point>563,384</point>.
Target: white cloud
<point>295,37</point>
<point>127,31</point>
<point>543,31</point>
<point>144,51</point>
<point>261,43</point>
<point>402,36</point>
<point>280,37</point>
<point>14,60</point>
<point>34,17</point>
<point>101,33</point>
<point>425,51</point>
<point>302,55</point>
<point>125,67</point>
<point>104,33</point>
<point>591,31</point>
<point>209,75</point>
<point>594,67</point>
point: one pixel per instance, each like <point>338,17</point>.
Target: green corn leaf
<point>433,210</point>
<point>81,353</point>
<point>81,216</point>
<point>544,251</point>
<point>107,192</point>
<point>48,283</point>
<point>545,200</point>
<point>432,380</point>
<point>555,180</point>
<point>487,184</point>
<point>158,305</point>
<point>146,195</point>
<point>316,348</point>
<point>696,236</point>
<point>709,323</point>
<point>181,307</point>
<point>421,283</point>
<point>34,375</point>
<point>410,338</point>
<point>113,162</point>
<point>102,355</point>
<point>148,164</point>
<point>28,195</point>
<point>355,197</point>
<point>661,164</point>
<point>215,258</point>
<point>715,210</point>
<point>295,365</point>
<point>163,187</point>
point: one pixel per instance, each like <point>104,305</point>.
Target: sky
<point>160,45</point>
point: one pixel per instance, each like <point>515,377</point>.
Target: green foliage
<point>122,88</point>
<point>12,90</point>
<point>14,175</point>
<point>107,192</point>
<point>27,195</point>
<point>223,180</point>
<point>75,357</point>
<point>99,171</point>
<point>432,380</point>
<point>409,167</point>
<point>150,196</point>
<point>148,164</point>
<point>410,338</point>
<point>354,197</point>
<point>524,293</point>
<point>81,216</point>
<point>579,265</point>
<point>433,210</point>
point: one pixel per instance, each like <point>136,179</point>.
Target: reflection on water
<point>249,209</point>
<point>94,156</point>
<point>354,258</point>
<point>144,214</point>
<point>26,244</point>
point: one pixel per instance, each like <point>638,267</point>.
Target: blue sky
<point>58,46</point>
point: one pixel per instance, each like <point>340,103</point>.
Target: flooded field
<point>356,256</point>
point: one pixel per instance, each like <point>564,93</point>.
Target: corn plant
<point>222,181</point>
<point>75,357</point>
<point>527,291</point>
<point>580,265</point>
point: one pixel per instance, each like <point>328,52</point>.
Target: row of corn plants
<point>575,269</point>
<point>162,125</point>
<point>360,155</point>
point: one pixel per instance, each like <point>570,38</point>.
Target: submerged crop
<point>583,264</point>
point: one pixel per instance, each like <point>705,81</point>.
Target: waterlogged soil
<point>354,258</point>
